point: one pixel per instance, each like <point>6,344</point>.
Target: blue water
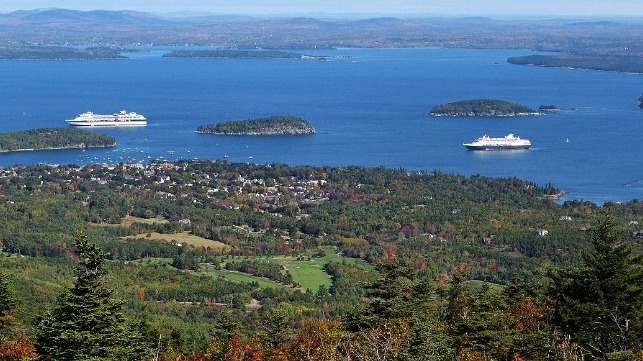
<point>369,109</point>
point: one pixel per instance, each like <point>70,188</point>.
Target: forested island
<point>243,54</point>
<point>481,108</point>
<point>620,63</point>
<point>321,263</point>
<point>53,138</point>
<point>275,125</point>
<point>41,52</point>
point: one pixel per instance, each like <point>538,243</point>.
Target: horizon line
<point>353,15</point>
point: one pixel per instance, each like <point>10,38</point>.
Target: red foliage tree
<point>238,350</point>
<point>18,349</point>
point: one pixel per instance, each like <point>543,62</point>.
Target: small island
<point>53,138</point>
<point>641,102</point>
<point>481,108</point>
<point>275,125</point>
<point>548,108</point>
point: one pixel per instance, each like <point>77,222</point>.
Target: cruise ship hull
<point>496,147</point>
<point>131,123</point>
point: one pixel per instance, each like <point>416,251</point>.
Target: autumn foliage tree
<point>238,350</point>
<point>18,349</point>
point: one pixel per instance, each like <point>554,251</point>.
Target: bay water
<point>369,107</point>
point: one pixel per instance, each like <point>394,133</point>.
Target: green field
<point>153,261</point>
<point>246,278</point>
<point>127,221</point>
<point>306,270</point>
<point>185,237</point>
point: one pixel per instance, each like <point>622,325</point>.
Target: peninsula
<point>240,54</point>
<point>275,125</point>
<point>481,108</point>
<point>603,62</point>
<point>53,138</point>
<point>47,52</point>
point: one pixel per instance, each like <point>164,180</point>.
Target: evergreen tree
<point>391,296</point>
<point>400,321</point>
<point>600,304</point>
<point>86,322</point>
<point>8,305</point>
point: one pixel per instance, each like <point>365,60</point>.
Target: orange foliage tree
<point>18,349</point>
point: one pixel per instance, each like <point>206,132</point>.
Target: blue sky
<point>384,7</point>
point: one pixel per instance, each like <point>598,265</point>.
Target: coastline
<point>79,146</point>
<point>474,115</point>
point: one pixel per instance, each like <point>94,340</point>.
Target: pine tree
<point>8,305</point>
<point>87,323</point>
<point>600,304</point>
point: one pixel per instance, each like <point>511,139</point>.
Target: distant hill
<point>119,28</point>
<point>74,17</point>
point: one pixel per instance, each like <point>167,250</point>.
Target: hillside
<point>211,254</point>
<point>60,26</point>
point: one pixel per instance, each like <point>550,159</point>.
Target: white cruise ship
<point>488,143</point>
<point>122,118</point>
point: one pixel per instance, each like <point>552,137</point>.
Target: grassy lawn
<point>309,274</point>
<point>184,237</point>
<point>246,278</point>
<point>127,221</point>
<point>153,261</point>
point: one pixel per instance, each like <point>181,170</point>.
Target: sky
<point>383,7</point>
